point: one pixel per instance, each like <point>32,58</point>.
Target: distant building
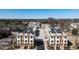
<point>19,38</point>
<point>25,39</point>
<point>74,26</point>
<point>31,39</point>
<point>57,37</point>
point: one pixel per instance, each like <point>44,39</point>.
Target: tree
<point>75,32</point>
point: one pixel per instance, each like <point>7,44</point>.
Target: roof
<point>52,30</point>
<point>52,34</point>
<point>58,34</point>
<point>25,34</point>
<point>31,34</point>
<point>64,34</point>
<point>28,29</point>
<point>58,31</point>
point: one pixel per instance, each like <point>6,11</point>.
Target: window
<point>65,44</point>
<point>31,36</point>
<point>52,44</point>
<point>25,36</point>
<point>61,40</point>
<point>65,41</point>
<point>65,37</point>
<point>31,40</point>
<point>57,37</point>
<point>52,41</point>
<point>57,41</point>
<point>25,40</point>
<point>18,40</point>
<point>57,44</point>
<point>52,37</point>
<point>18,36</point>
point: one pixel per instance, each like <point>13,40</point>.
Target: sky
<point>38,13</point>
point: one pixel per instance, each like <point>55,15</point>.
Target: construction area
<point>38,36</point>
